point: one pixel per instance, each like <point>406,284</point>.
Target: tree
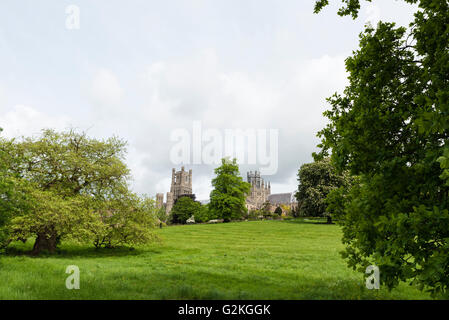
<point>184,209</point>
<point>162,215</point>
<point>254,214</point>
<point>391,127</point>
<point>50,218</point>
<point>6,193</point>
<point>6,190</point>
<point>316,180</point>
<point>202,215</point>
<point>127,220</point>
<point>266,209</point>
<point>278,211</point>
<point>71,177</point>
<point>11,197</point>
<point>287,209</point>
<point>296,212</point>
<point>70,164</point>
<point>228,198</point>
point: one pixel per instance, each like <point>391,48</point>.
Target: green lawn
<point>246,260</point>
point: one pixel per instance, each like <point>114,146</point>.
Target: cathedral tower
<point>181,184</point>
<point>260,190</point>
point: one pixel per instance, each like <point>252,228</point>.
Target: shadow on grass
<point>79,251</point>
<point>202,285</point>
<point>307,221</point>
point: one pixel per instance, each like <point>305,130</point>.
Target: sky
<point>146,70</point>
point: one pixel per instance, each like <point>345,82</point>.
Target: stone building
<point>261,193</point>
<point>181,185</point>
<point>283,200</point>
<point>159,200</point>
<point>260,190</point>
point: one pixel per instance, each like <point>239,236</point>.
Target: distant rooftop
<point>280,198</point>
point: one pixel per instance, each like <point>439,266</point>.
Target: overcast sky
<point>140,69</point>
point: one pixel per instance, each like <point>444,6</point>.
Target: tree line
<point>227,201</point>
<point>68,186</point>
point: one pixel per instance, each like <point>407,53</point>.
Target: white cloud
<point>176,92</point>
<point>3,99</point>
<point>105,89</point>
<point>179,92</point>
<point>262,66</point>
<point>27,121</point>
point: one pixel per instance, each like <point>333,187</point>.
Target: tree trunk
<point>45,243</point>
<point>329,219</point>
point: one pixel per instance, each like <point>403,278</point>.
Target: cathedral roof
<point>280,198</point>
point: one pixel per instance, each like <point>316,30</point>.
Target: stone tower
<point>260,190</point>
<point>181,184</point>
<point>159,200</point>
<point>170,202</point>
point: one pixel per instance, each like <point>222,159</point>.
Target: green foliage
<point>202,215</point>
<point>351,7</point>
<point>444,164</point>
<point>278,211</point>
<point>124,221</point>
<point>254,214</point>
<point>11,199</point>
<point>228,199</point>
<point>296,212</point>
<point>50,218</point>
<point>6,189</point>
<point>162,215</point>
<point>266,210</point>
<point>316,181</point>
<point>73,187</point>
<point>391,127</point>
<point>287,210</point>
<point>70,163</point>
<point>6,193</point>
<point>184,209</point>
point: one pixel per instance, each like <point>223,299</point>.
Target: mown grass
<point>248,260</point>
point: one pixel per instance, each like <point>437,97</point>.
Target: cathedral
<point>259,193</point>
<point>181,185</point>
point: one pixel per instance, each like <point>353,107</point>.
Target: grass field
<point>247,260</point>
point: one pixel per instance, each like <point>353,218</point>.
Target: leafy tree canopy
<point>184,209</point>
<point>203,215</point>
<point>390,126</point>
<point>127,220</point>
<point>278,211</point>
<point>350,7</point>
<point>228,198</point>
<point>70,163</point>
<point>9,197</point>
<point>76,187</point>
<point>316,181</point>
